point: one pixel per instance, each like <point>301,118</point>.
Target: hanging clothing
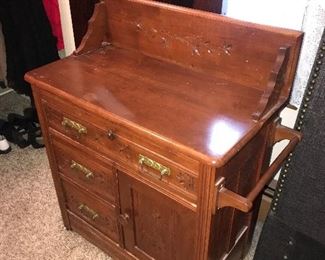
<point>3,63</point>
<point>28,39</point>
<point>53,14</point>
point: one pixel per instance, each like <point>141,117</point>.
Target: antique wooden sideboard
<point>159,128</point>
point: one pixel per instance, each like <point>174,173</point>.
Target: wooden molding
<point>96,33</point>
<point>274,85</point>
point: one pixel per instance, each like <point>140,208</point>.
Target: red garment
<point>53,13</point>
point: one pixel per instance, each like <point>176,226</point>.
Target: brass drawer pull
<point>164,171</point>
<point>88,174</point>
<point>66,122</point>
<point>88,212</point>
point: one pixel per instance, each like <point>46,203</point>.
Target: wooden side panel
<point>264,162</point>
<point>241,173</point>
<point>154,225</point>
<point>234,50</point>
<point>219,243</point>
<point>205,204</point>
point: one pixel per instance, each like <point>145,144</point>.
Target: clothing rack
<point>27,41</point>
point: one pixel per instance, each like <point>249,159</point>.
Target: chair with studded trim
<point>295,227</point>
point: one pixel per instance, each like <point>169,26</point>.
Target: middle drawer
<point>92,172</point>
<point>103,216</point>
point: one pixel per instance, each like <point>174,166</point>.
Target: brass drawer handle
<point>164,171</point>
<point>88,212</point>
<point>66,122</point>
<point>88,174</point>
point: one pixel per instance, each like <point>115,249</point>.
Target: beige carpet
<point>30,220</point>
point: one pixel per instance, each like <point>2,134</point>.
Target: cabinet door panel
<point>154,225</point>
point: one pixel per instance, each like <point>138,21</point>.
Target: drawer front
<point>88,170</point>
<point>163,173</point>
<point>97,238</point>
<point>100,215</point>
<point>127,153</point>
<point>97,131</point>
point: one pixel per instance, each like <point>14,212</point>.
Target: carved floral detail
<point>186,181</point>
<point>125,150</point>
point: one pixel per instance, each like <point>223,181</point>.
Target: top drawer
<point>105,135</point>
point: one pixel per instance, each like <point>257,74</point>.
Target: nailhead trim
<point>301,116</point>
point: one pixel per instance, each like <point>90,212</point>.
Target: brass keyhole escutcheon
<point>124,218</point>
<point>111,135</point>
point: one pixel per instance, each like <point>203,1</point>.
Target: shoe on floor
<point>4,145</point>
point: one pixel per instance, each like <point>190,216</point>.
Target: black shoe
<point>25,130</point>
<point>35,137</point>
<point>16,130</point>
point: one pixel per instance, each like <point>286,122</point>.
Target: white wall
<point>313,26</point>
<point>282,13</point>
<point>305,15</point>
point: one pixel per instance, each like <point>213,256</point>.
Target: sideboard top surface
<point>205,113</point>
<point>199,81</point>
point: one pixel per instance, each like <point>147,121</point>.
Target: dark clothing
<point>28,39</point>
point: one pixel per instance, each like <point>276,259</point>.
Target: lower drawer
<point>98,239</point>
<point>100,215</point>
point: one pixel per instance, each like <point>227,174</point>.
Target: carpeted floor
<point>30,221</point>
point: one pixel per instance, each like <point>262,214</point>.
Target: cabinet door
<point>154,225</point>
